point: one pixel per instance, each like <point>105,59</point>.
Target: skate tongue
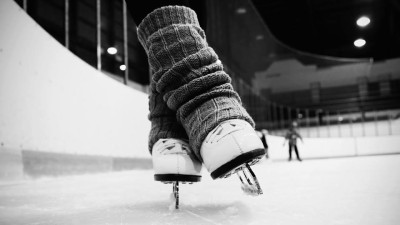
<point>250,184</point>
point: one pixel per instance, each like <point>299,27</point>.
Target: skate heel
<point>229,146</point>
<point>177,177</point>
<point>248,158</point>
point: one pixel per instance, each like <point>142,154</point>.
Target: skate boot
<point>173,162</point>
<point>232,147</point>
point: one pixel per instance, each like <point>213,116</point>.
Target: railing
<point>373,116</point>
<point>102,33</point>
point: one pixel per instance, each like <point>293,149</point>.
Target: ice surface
<point>363,190</point>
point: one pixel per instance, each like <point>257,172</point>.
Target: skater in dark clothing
<point>291,136</point>
<point>196,116</point>
<point>263,137</point>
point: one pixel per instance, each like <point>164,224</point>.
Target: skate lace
<point>223,130</point>
<point>171,146</point>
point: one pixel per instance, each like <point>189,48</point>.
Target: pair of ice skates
<point>232,147</point>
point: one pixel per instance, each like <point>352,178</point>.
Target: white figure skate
<point>232,147</point>
<point>173,162</point>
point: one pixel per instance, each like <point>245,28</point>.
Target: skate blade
<point>175,191</point>
<point>250,184</point>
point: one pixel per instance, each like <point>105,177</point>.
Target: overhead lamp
<point>359,43</point>
<point>112,50</point>
<point>241,10</point>
<point>259,37</point>
<point>363,21</point>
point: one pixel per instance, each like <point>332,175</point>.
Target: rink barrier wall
<point>52,101</point>
<point>11,166</point>
<point>16,165</point>
<point>58,114</point>
<point>38,164</point>
<point>25,164</point>
<point>315,148</point>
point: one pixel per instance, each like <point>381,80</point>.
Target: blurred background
<point>322,63</point>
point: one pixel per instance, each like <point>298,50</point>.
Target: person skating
<point>291,136</point>
<point>263,137</point>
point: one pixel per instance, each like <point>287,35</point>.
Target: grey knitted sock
<point>188,74</point>
<point>163,120</point>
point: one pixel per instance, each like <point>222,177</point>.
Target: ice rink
<point>362,190</point>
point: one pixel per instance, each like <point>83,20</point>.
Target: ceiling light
<point>122,67</point>
<point>112,50</point>
<point>363,21</point>
<point>241,10</point>
<point>259,37</point>
<point>359,43</point>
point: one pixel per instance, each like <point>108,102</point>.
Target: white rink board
<point>52,101</point>
<point>335,147</point>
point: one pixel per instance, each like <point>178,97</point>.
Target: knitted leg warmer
<point>188,74</point>
<point>163,120</point>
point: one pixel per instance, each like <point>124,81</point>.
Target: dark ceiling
<point>328,27</point>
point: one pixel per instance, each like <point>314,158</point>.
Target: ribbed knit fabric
<point>163,120</point>
<point>188,75</point>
